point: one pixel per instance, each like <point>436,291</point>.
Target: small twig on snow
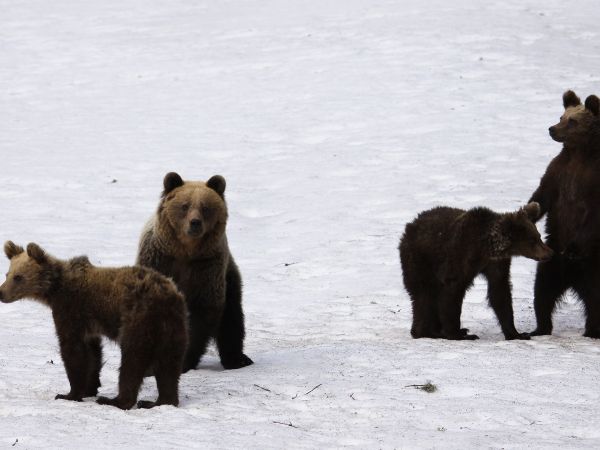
<point>263,388</point>
<point>290,424</point>
<point>352,396</point>
<point>428,387</point>
<point>15,443</point>
<point>318,385</point>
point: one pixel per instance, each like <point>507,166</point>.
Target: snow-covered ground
<point>334,122</point>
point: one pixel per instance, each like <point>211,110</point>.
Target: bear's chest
<point>201,282</point>
<point>577,184</point>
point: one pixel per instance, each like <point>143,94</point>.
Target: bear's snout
<point>544,253</point>
<point>555,134</point>
<point>195,227</point>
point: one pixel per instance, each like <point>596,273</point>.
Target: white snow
<point>334,122</point>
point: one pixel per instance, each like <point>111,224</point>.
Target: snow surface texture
<point>335,123</point>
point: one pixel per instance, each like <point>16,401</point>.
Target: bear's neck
<point>64,281</point>
<point>50,283</point>
<point>497,242</point>
<point>588,147</point>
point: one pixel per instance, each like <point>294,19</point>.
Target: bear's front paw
<point>236,362</point>
<point>69,396</point>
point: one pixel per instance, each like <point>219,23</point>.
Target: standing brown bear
<point>444,249</point>
<point>138,308</point>
<point>186,240</point>
<point>569,193</point>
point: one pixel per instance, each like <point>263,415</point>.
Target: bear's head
<point>195,211</point>
<point>576,122</point>
<point>29,274</point>
<point>514,234</point>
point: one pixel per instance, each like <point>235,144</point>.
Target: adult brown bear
<point>186,240</point>
<point>569,192</point>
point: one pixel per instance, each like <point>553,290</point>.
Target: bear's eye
<point>207,211</point>
<point>18,278</point>
<point>571,123</point>
<point>185,206</point>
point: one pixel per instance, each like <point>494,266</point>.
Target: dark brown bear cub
<point>137,307</point>
<point>444,249</point>
<point>186,240</point>
<point>569,193</point>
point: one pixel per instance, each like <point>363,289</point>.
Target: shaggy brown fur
<point>444,249</point>
<point>569,193</point>
<point>134,306</point>
<point>186,241</point>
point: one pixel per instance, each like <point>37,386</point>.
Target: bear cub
<point>138,308</point>
<point>186,241</point>
<point>444,249</point>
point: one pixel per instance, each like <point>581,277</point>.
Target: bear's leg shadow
<point>231,332</point>
<point>450,308</point>
<point>499,295</point>
<point>550,285</point>
<point>94,360</point>
<point>75,358</point>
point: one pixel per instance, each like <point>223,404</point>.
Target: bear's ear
<point>570,99</point>
<point>217,184</point>
<point>532,211</point>
<point>11,249</point>
<point>172,180</point>
<point>36,252</point>
<point>592,104</point>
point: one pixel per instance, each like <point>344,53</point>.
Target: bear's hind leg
<point>550,285</point>
<point>167,382</point>
<point>588,291</point>
<point>135,360</point>
<point>94,349</point>
<point>168,365</point>
<point>231,332</point>
<point>426,322</point>
<point>450,308</point>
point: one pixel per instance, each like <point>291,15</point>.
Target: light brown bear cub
<point>135,306</point>
<point>186,240</point>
